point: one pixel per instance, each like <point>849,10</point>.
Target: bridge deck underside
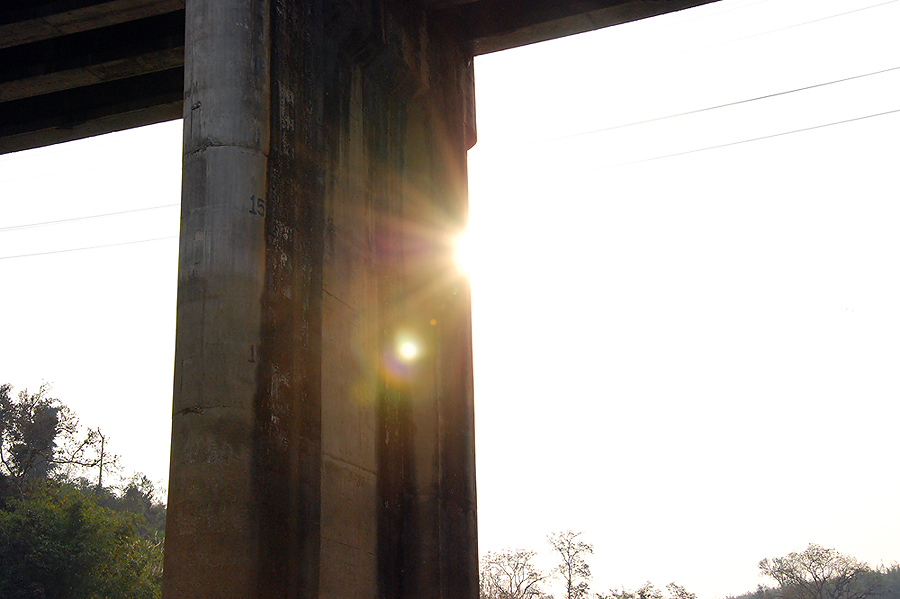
<point>76,68</point>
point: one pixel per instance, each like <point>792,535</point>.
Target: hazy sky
<point>686,303</point>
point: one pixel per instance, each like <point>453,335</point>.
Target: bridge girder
<point>76,68</point>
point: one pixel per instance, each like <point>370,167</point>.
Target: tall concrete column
<point>213,528</point>
<point>325,175</point>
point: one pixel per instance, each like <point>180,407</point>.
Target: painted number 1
<point>257,206</point>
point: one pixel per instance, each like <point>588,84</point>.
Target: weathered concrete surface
<point>325,173</point>
<point>213,545</point>
<point>75,68</point>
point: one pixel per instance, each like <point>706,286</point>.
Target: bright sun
<point>464,252</point>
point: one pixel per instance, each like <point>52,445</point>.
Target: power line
<point>731,41</point>
<point>643,160</point>
<point>93,247</point>
<point>740,7</point>
<point>77,218</point>
<point>751,99</point>
<point>843,14</point>
<point>688,17</point>
<point>61,152</point>
<point>726,105</point>
<point>745,141</point>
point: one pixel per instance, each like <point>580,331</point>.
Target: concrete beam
<point>127,50</point>
<point>92,110</point>
<point>494,25</point>
<point>106,77</point>
<point>48,47</point>
<point>25,21</point>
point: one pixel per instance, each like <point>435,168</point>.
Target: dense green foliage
<point>61,535</point>
<point>57,542</point>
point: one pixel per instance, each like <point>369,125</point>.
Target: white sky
<point>692,358</point>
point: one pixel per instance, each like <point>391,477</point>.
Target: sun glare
<point>464,253</point>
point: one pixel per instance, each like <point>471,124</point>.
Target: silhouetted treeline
<point>885,584</point>
<point>814,573</point>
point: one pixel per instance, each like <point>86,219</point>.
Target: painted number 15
<point>257,206</point>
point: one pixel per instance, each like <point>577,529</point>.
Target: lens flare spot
<point>408,351</point>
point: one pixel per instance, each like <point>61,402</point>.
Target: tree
<point>57,543</point>
<point>29,426</point>
<point>573,569</point>
<point>676,591</point>
<point>889,581</point>
<point>140,497</point>
<point>622,593</point>
<point>39,439</point>
<point>509,574</point>
<point>61,535</point>
<point>648,591</point>
<point>819,573</point>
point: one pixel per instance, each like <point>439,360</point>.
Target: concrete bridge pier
<point>322,436</point>
<point>322,440</point>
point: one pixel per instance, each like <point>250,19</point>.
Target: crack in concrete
<point>198,409</point>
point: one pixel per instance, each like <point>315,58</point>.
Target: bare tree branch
<point>573,568</point>
<point>509,574</point>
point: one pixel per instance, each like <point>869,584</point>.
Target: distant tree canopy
<point>62,533</point>
<point>820,573</point>
<point>817,572</point>
<point>648,591</point>
<point>814,573</point>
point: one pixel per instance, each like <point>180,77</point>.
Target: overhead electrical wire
<point>643,160</point>
<point>843,14</point>
<point>93,247</point>
<point>78,218</point>
<point>771,31</point>
<point>687,17</point>
<point>564,137</point>
<point>708,108</point>
<point>745,141</point>
<point>606,167</point>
